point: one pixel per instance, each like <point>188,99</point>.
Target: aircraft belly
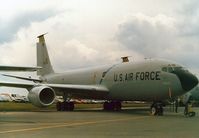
<point>144,91</point>
<point>133,91</point>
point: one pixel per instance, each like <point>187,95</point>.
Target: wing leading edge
<point>23,78</point>
<point>18,68</point>
<point>81,91</point>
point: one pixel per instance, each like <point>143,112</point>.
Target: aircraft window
<point>177,68</point>
<point>170,69</point>
<point>164,69</point>
<point>181,68</point>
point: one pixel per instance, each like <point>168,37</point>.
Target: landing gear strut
<point>112,106</point>
<point>66,105</point>
<point>157,108</point>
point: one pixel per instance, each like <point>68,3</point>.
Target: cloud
<point>189,19</point>
<point>75,41</point>
<point>138,36</point>
<point>189,8</point>
<point>11,26</point>
<point>147,35</point>
<point>65,47</point>
<point>158,36</point>
<point>68,47</point>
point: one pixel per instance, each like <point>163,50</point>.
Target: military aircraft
<point>149,80</point>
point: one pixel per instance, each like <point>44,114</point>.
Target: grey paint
<point>133,89</point>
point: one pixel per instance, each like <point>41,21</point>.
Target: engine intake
<point>41,96</point>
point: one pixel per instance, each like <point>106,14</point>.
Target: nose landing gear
<point>157,109</point>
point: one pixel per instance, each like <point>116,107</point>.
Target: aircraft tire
<point>160,111</point>
<point>117,106</point>
<point>106,106</point>
<point>65,106</point>
<point>68,106</point>
<point>58,106</point>
<point>153,111</point>
<point>71,106</point>
<point>157,109</point>
<point>111,106</point>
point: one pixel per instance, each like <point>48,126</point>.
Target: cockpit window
<point>164,69</point>
<point>178,68</point>
<point>170,68</point>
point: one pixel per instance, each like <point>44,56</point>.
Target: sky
<point>83,33</point>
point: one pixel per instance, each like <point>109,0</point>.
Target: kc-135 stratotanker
<point>149,80</point>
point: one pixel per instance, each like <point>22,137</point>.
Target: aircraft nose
<point>187,79</point>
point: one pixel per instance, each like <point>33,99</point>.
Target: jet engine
<point>41,96</point>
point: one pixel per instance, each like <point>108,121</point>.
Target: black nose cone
<point>187,79</point>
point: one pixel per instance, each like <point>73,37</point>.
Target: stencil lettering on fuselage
<point>153,75</point>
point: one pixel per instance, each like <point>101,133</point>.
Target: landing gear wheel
<point>153,111</point>
<point>118,106</point>
<point>71,106</point>
<point>58,106</point>
<point>106,106</point>
<point>68,106</point>
<point>65,106</point>
<point>157,109</point>
<point>112,106</point>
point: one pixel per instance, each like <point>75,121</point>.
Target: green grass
<point>11,106</point>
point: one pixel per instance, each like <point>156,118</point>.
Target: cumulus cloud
<point>158,36</point>
<point>67,47</point>
<point>147,35</point>
<point>10,27</point>
<point>188,25</point>
<point>74,43</point>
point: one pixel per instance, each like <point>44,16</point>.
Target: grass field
<point>12,106</point>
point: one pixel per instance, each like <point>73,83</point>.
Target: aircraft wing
<point>23,78</point>
<point>18,68</point>
<point>17,84</point>
<point>82,91</point>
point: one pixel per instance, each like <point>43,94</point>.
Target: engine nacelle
<point>41,96</point>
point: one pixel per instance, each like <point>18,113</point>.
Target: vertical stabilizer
<point>43,59</point>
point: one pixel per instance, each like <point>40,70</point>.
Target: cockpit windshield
<point>172,68</point>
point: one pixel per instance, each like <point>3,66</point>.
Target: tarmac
<point>95,123</point>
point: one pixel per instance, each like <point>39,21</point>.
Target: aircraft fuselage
<point>144,81</point>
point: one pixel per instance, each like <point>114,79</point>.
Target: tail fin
<point>43,59</point>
